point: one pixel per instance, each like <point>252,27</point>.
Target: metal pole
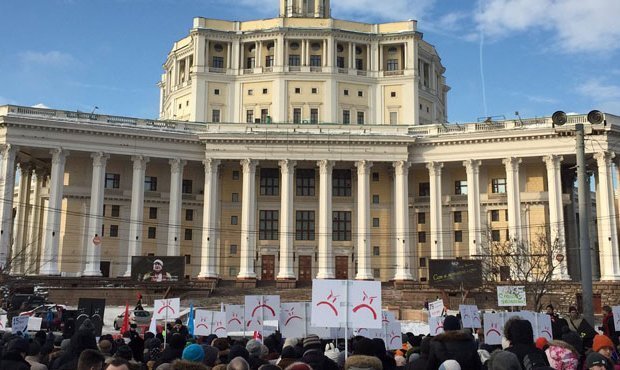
<point>584,220</point>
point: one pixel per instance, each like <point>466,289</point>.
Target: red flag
<point>125,327</point>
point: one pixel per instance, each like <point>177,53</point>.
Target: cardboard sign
<point>219,324</point>
<point>167,308</point>
<point>470,316</point>
<point>393,336</point>
<point>3,322</point>
<point>34,323</point>
<point>616,312</point>
<point>235,318</point>
<point>322,332</point>
<point>259,308</point>
<point>202,322</point>
<point>153,325</point>
<point>365,304</point>
<point>435,325</point>
<point>19,323</point>
<point>543,327</point>
<point>493,328</point>
<point>328,303</point>
<point>293,320</point>
<point>511,296</point>
<point>435,309</point>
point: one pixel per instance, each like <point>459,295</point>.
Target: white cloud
<point>40,105</point>
<point>578,25</point>
<point>596,89</point>
<point>52,58</point>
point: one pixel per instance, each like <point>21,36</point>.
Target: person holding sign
<point>454,344</point>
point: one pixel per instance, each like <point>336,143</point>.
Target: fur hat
<point>361,362</point>
<point>451,323</point>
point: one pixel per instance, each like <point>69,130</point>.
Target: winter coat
<point>318,361</point>
<point>557,323</point>
<point>13,361</point>
<point>454,345</point>
<point>361,362</point>
<point>584,329</point>
<point>609,328</point>
<point>562,356</point>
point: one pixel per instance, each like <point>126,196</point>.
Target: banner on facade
<point>453,273</point>
<point>157,269</point>
<point>511,296</point>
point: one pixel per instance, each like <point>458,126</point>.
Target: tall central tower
<point>305,8</point>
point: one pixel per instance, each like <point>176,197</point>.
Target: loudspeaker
<point>596,117</point>
<point>558,118</point>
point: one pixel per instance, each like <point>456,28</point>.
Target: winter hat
<point>152,343</point>
<point>503,360</point>
<point>361,362</point>
<point>210,355</point>
<point>541,343</point>
<point>595,358</point>
<point>312,342</point>
<point>193,353</point>
<point>19,345</point>
<point>292,342</point>
<point>451,323</point>
<point>254,348</point>
<point>601,341</point>
<point>221,344</point>
<point>124,352</point>
<point>364,346</point>
<point>238,351</point>
<point>450,365</point>
<point>105,346</point>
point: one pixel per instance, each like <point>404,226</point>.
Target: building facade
<point>295,148</point>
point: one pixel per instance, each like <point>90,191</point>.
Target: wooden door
<point>104,266</point>
<point>268,267</point>
<point>305,268</point>
<point>342,267</point>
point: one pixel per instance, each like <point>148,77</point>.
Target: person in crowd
<point>313,354</point>
<point>173,351</point>
<point>34,356</point>
<point>557,323</point>
<point>596,361</point>
<point>210,355</point>
<point>14,356</point>
<point>578,324</point>
<point>450,365</point>
<point>358,362</point>
<point>153,351</point>
<point>609,327</point>
<point>105,346</point>
<point>90,359</point>
<point>287,357</point>
<point>257,353</point>
<point>180,328</point>
<point>520,336</point>
<point>82,340</point>
<point>118,364</point>
<point>562,356</point>
<point>238,363</point>
<point>503,360</point>
<point>603,344</point>
<point>454,344</point>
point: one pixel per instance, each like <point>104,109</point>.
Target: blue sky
<point>536,56</point>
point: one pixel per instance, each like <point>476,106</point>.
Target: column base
<point>404,284</point>
<point>207,277</point>
<point>364,276</point>
<point>325,275</point>
<point>245,283</point>
<point>610,278</point>
<point>286,283</point>
<point>92,273</point>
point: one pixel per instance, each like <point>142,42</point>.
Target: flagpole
<point>346,321</point>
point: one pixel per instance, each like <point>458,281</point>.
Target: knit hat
<point>450,365</point>
<point>451,323</point>
<point>288,352</point>
<point>210,355</point>
<point>503,360</point>
<point>290,342</point>
<point>19,345</point>
<point>254,348</point>
<point>541,343</point>
<point>193,353</point>
<point>237,350</point>
<point>595,358</point>
<point>312,342</point>
<point>601,341</point>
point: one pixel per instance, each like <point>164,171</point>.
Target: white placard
<point>259,308</point>
<point>387,317</point>
<point>435,308</point>
<point>235,318</point>
<point>167,308</point>
<point>218,325</point>
<point>435,325</point>
<point>34,323</point>
<point>321,331</point>
<point>328,303</point>
<point>525,315</point>
<point>293,320</point>
<point>202,322</point>
<point>544,328</point>
<point>19,323</point>
<point>616,312</point>
<point>3,321</point>
<point>511,296</point>
<point>393,336</point>
<point>153,326</point>
<point>470,316</point>
<point>365,304</point>
<point>493,328</point>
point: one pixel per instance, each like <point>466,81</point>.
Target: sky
<point>501,56</point>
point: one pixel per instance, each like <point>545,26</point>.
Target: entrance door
<point>104,266</point>
<point>305,268</point>
<point>342,267</point>
<point>268,266</point>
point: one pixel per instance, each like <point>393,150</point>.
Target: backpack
<point>535,360</point>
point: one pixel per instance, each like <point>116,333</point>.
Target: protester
<point>581,326</point>
<point>313,354</point>
<point>609,327</point>
<point>596,361</point>
<point>34,356</point>
<point>503,360</point>
<point>562,356</point>
<point>118,364</point>
<point>557,323</point>
<point>603,345</point>
<point>90,359</point>
<point>454,344</point>
<point>520,335</point>
<point>14,358</point>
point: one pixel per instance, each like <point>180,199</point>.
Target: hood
<point>361,362</point>
<point>562,344</point>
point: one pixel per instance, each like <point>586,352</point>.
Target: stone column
<point>34,231</point>
<point>208,263</point>
<point>7,184</point>
<point>434,173</point>
<point>248,220</point>
<point>401,215</point>
<point>287,221</point>
<point>137,209</point>
<point>474,224</point>
<point>176,201</point>
<point>20,228</point>
<point>326,255</point>
<point>608,235</point>
<point>95,217</point>
<point>364,270</point>
<point>49,255</point>
<point>556,215</point>
<point>513,193</point>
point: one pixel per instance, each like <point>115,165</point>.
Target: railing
<point>343,70</point>
<point>294,68</point>
<point>217,70</point>
<point>393,73</point>
<point>248,71</point>
<point>316,69</point>
<point>361,73</point>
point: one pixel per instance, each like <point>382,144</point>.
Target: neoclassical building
<point>295,148</point>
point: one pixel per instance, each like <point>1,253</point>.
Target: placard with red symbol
<point>218,326</point>
<point>470,317</point>
<point>293,320</point>
<point>3,321</point>
<point>616,312</point>
<point>235,317</point>
<point>435,325</point>
<point>322,332</point>
<point>202,322</point>
<point>261,308</point>
<point>543,328</point>
<point>364,304</point>
<point>524,315</point>
<point>328,303</point>
<point>167,308</point>
<point>493,328</point>
<point>393,335</point>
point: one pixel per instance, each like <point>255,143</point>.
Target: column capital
<point>604,158</point>
<point>401,168</point>
<point>139,162</point>
<point>325,166</point>
<point>287,166</point>
<point>472,164</point>
<point>211,165</point>
<point>363,167</point>
<point>176,165</point>
<point>552,160</point>
<point>59,155</point>
<point>511,163</point>
<point>434,168</point>
<point>249,165</point>
<point>8,149</point>
<point>99,158</point>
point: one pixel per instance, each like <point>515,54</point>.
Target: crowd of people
<point>575,346</point>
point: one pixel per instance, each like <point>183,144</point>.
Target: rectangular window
<point>360,94</point>
<point>153,213</point>
<point>341,226</point>
<point>359,64</point>
<point>186,187</point>
<point>269,61</point>
<point>250,63</point>
<point>494,215</point>
<point>234,197</point>
<point>249,116</point>
<point>116,211</point>
<point>424,189</point>
<point>250,92</point>
<point>346,92</point>
<point>298,90</point>
<point>305,182</point>
<point>269,181</point>
<point>460,187</point>
<point>216,92</point>
<point>376,251</point>
<point>265,91</point>
<point>506,215</point>
<point>112,180</point>
<point>268,225</point>
<point>234,220</point>
<point>314,116</point>
<point>421,237</point>
<point>264,113</point>
<point>346,117</point>
<point>152,232</point>
<point>421,218</point>
<point>315,60</point>
<point>341,183</point>
<point>458,236</point>
<point>232,271</point>
<point>360,118</point>
<point>235,175</point>
<point>150,183</point>
<point>215,115</point>
<point>498,186</point>
<point>189,215</point>
<point>296,115</point>
<point>422,262</point>
<point>375,199</point>
<point>495,235</point>
<point>304,226</point>
<point>188,234</point>
<point>392,65</point>
<point>375,222</point>
<point>315,90</point>
<point>113,231</point>
<point>294,60</point>
<point>340,62</point>
<point>375,176</point>
<point>218,62</point>
<point>188,259</point>
<point>458,217</point>
<point>233,249</point>
<point>393,118</point>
